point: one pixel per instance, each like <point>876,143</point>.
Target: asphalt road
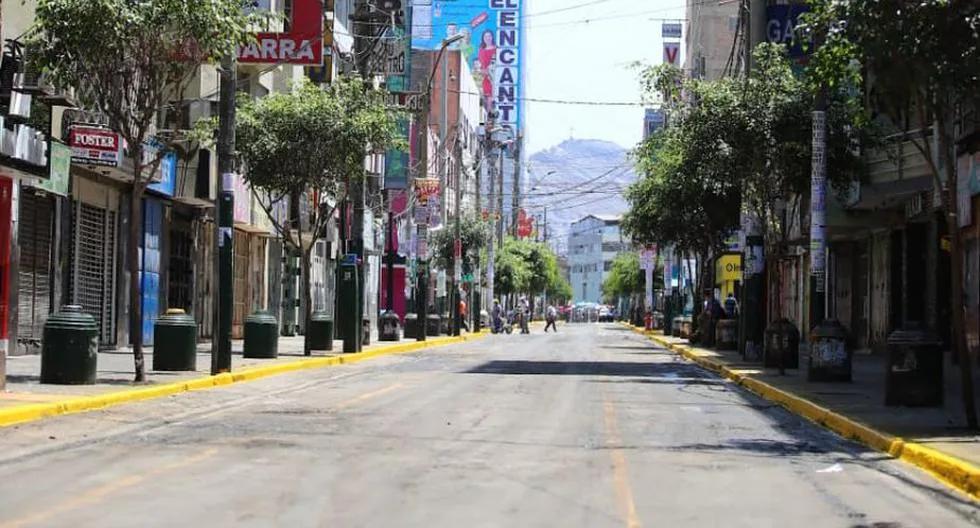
<point>590,427</point>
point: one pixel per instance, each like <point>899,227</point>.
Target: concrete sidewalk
<point>115,370</point>
<point>861,401</point>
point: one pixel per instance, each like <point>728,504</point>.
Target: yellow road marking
<point>621,479</point>
<point>354,401</point>
<point>96,495</point>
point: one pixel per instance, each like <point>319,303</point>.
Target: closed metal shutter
<point>93,269</point>
<point>34,288</point>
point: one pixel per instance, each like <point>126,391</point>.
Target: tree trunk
<point>305,280</point>
<point>133,259</point>
<point>958,333</point>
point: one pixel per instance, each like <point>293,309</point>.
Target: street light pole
<point>422,133</point>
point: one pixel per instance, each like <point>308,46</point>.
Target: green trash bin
<point>261,336</point>
<point>70,348</point>
<point>411,326</point>
<point>321,331</point>
<point>175,342</point>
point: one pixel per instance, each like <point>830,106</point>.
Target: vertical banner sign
<point>648,261</point>
<point>672,53</point>
<point>493,48</point>
<point>818,202</point>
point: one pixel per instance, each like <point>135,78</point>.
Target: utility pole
<point>224,220</point>
<point>491,248</point>
<point>516,197</point>
<point>500,199</point>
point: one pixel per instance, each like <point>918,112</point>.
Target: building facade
<point>593,243</point>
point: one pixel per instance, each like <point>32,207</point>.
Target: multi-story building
<point>710,36</point>
<point>593,243</point>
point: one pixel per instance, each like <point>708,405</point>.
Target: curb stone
<point>31,412</point>
<point>954,472</point>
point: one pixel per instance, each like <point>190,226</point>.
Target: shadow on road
<point>590,368</point>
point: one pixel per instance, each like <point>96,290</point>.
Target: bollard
<point>175,342</point>
<point>261,336</point>
<point>70,348</point>
<point>321,331</point>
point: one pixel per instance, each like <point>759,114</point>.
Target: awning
<point>253,229</point>
<point>893,194</point>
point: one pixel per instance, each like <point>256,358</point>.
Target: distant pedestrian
<point>550,315</point>
<point>731,306</point>
<point>524,313</point>
<point>462,313</point>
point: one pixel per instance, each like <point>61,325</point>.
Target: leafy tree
<point>309,146</point>
<point>919,64</point>
<point>474,234</point>
<point>528,267</point>
<point>625,277</point>
<point>733,144</point>
<point>127,60</point>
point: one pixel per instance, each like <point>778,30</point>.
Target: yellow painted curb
<point>36,411</point>
<point>954,472</point>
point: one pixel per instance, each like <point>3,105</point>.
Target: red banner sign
<point>94,146</point>
<point>303,44</point>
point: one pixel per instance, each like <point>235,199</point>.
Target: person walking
<point>731,306</point>
<point>550,315</point>
<point>523,311</point>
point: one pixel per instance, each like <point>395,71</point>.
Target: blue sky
<point>568,58</point>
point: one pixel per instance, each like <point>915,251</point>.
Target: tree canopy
<point>524,266</point>
<point>730,144</point>
<point>311,141</point>
<point>625,277</point>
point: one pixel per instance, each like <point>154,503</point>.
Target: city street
<point>592,426</point>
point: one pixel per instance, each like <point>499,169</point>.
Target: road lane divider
<point>951,471</point>
<point>20,414</point>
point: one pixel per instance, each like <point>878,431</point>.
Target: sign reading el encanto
<point>493,47</point>
<point>302,44</point>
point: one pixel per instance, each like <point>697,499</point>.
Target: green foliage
<point>625,277</point>
<point>524,266</point>
<point>127,59</point>
<point>729,144</point>
<point>313,138</point>
<point>474,234</point>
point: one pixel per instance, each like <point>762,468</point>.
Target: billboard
<point>494,47</point>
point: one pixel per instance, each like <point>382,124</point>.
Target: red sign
<point>458,248</point>
<point>426,188</point>
<point>525,224</point>
<point>672,52</point>
<point>94,146</point>
<point>302,45</point>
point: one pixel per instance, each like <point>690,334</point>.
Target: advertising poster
<point>493,47</point>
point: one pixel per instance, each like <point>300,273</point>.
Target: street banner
<point>670,30</point>
<point>672,53</point>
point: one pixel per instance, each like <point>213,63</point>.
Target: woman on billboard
<point>486,56</point>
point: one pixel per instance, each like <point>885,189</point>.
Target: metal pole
<point>223,309</point>
<point>516,184</point>
<point>500,200</point>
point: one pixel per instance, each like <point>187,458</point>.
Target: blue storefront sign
<point>781,22</point>
<point>167,185</point>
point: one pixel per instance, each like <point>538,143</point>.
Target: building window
<point>607,265</point>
